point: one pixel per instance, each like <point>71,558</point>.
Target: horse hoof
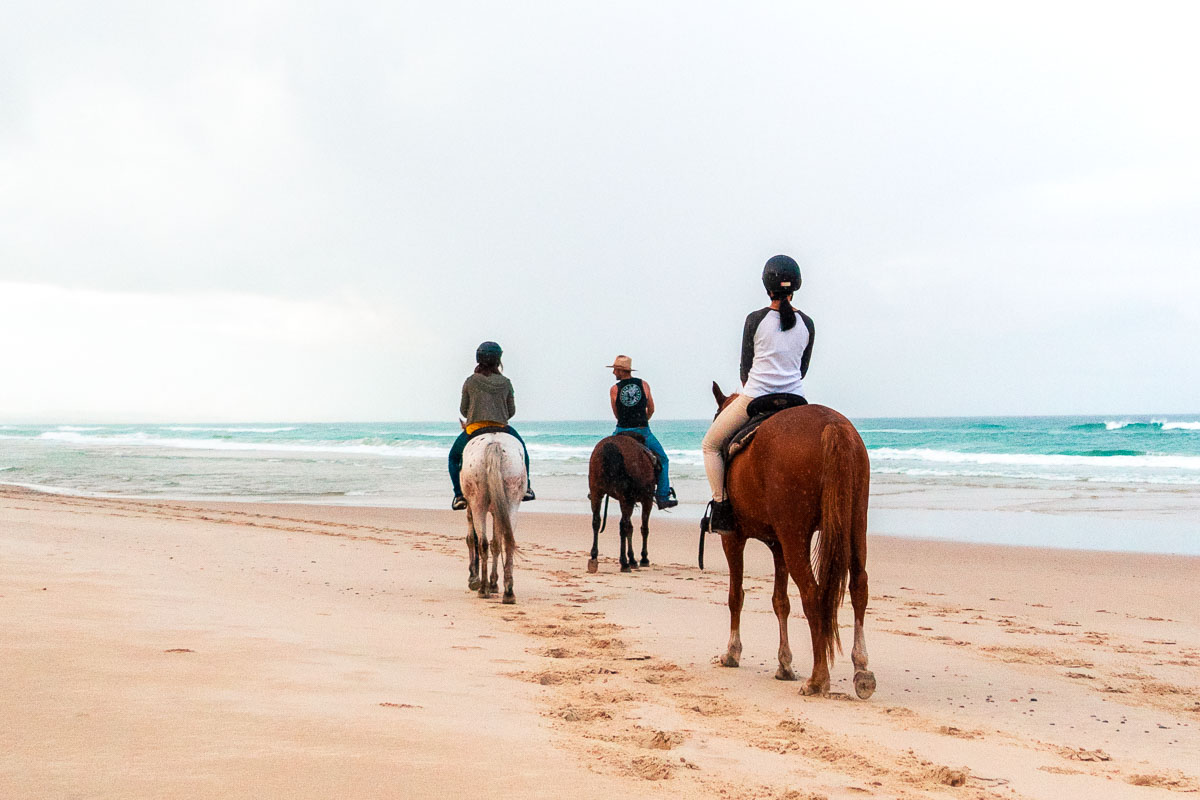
<point>810,689</point>
<point>645,562</point>
<point>473,584</point>
<point>626,568</point>
<point>728,661</point>
<point>864,684</point>
<point>509,598</point>
<point>782,674</point>
<point>593,565</point>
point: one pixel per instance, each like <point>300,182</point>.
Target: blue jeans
<point>456,454</point>
<point>664,480</point>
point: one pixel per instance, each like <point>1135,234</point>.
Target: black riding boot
<point>719,518</point>
<point>670,501</point>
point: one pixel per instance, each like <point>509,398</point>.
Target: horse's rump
<point>623,467</point>
<point>493,463</point>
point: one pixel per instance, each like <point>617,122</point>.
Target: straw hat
<point>622,362</point>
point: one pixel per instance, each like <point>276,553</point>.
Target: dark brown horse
<point>621,467</point>
<point>805,470</point>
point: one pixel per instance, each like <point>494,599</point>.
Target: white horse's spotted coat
<point>493,482</point>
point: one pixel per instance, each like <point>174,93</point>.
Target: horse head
<point>721,398</point>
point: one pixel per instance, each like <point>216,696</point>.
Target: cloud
<point>578,181</point>
<point>121,356</point>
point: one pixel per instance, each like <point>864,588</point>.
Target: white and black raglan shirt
<point>775,360</point>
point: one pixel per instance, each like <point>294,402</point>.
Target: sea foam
<point>1034,459</point>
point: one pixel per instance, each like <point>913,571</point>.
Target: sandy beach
<point>158,649</point>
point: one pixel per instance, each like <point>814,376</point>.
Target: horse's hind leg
<point>646,507</point>
<point>627,560</point>
<point>482,549</point>
<point>864,679</point>
<point>509,595</point>
<point>594,562</point>
<point>783,607</point>
<point>735,548</point>
<point>797,559</point>
<point>497,547</point>
<point>472,553</point>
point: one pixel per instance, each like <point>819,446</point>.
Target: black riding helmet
<point>488,354</point>
<point>781,276</point>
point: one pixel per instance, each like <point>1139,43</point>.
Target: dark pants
<point>460,444</point>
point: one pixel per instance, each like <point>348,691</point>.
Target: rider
<point>775,355</point>
<point>633,406</point>
<point>487,402</point>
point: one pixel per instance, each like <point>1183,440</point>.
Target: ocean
<point>404,464</point>
<point>387,462</point>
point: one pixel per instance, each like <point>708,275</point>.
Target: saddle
<point>637,437</point>
<point>760,410</point>
<point>490,429</point>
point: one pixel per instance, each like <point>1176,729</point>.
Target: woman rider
<point>487,402</point>
<point>775,355</point>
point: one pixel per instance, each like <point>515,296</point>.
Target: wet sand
<point>167,649</point>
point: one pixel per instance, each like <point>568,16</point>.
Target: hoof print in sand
<point>651,768</point>
<point>665,740</point>
<point>1176,782</point>
<point>949,777</point>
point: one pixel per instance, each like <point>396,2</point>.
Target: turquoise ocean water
<point>396,463</point>
<point>404,464</point>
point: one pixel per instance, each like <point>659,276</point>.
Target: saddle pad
<point>760,410</point>
<point>745,434</point>
<point>481,431</point>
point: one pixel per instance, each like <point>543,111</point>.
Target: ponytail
<point>787,314</point>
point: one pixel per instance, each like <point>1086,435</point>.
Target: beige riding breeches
<point>726,424</point>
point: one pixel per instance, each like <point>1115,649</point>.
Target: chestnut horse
<point>805,470</point>
<point>621,467</point>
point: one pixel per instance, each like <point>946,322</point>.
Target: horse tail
<point>612,465</point>
<point>837,513</point>
<point>493,479</point>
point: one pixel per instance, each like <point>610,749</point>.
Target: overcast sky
<point>252,211</point>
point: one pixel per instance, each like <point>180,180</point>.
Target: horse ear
<point>717,393</point>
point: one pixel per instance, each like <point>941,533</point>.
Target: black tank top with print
<point>631,404</point>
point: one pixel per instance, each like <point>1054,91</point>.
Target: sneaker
<point>667,502</point>
<point>529,495</point>
<point>459,503</point>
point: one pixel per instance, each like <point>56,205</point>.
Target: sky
<point>253,211</point>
